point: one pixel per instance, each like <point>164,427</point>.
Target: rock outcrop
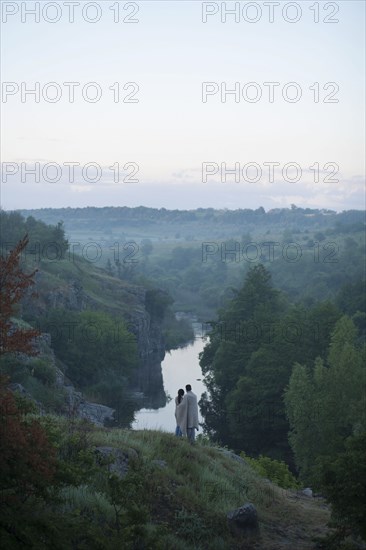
<point>120,299</point>
<point>244,521</point>
<point>150,343</point>
<point>115,460</point>
<point>81,408</point>
<point>75,403</point>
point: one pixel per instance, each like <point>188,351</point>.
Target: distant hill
<point>94,218</point>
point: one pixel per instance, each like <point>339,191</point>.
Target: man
<point>192,413</point>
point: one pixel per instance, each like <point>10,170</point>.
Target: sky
<point>182,104</point>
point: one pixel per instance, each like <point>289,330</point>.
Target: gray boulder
<point>233,456</point>
<point>307,492</point>
<point>116,460</point>
<point>94,412</point>
<point>243,521</point>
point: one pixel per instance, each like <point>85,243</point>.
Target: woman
<point>178,401</point>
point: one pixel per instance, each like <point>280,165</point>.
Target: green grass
<point>106,292</point>
<point>200,484</point>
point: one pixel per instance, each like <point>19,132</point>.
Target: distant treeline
<point>13,227</point>
<point>140,215</point>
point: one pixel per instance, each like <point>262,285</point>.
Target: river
<point>180,367</point>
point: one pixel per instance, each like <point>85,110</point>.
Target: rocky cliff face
<point>124,301</point>
<point>150,341</point>
<point>74,404</point>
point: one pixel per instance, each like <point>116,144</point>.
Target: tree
<point>304,435</point>
<point>156,302</point>
<point>98,350</point>
<point>27,458</point>
<point>44,240</point>
<point>344,484</point>
<point>146,247</point>
<point>14,283</point>
<point>59,238</point>
<point>248,363</point>
<point>326,403</point>
<point>109,268</point>
<point>232,412</point>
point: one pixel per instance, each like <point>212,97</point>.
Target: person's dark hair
<point>188,387</point>
<point>180,395</point>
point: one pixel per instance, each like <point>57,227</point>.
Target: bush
<point>27,458</point>
<point>44,371</point>
<point>51,398</point>
<point>274,470</point>
<point>96,340</point>
<point>14,368</point>
<point>343,481</point>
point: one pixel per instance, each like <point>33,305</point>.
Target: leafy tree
<point>343,481</point>
<point>326,404</point>
<point>14,283</point>
<point>146,247</point>
<point>45,241</point>
<point>303,438</point>
<point>319,236</point>
<point>156,303</point>
<point>351,299</point>
<point>248,362</point>
<point>93,345</point>
<point>125,270</point>
<point>27,458</point>
<point>240,331</point>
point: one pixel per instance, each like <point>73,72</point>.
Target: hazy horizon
<point>183,105</point>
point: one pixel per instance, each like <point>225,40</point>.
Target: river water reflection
<point>180,367</point>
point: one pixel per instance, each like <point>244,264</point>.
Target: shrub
<point>44,371</point>
<point>27,458</point>
<point>343,481</point>
<point>274,470</point>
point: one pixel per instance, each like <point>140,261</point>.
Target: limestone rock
<point>244,520</point>
<point>115,460</point>
<point>95,412</point>
<point>233,456</point>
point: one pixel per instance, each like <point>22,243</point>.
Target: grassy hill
<point>136,490</point>
<point>199,485</point>
<point>100,290</point>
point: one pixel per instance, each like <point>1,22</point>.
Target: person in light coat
<point>178,401</point>
<point>187,414</point>
<point>192,413</point>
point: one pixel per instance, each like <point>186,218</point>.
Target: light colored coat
<point>186,412</point>
<point>181,415</point>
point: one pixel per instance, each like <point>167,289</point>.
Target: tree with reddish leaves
<point>13,285</point>
<point>28,460</point>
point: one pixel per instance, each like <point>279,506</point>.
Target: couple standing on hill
<point>186,413</point>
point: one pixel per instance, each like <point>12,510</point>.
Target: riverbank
<point>179,367</point>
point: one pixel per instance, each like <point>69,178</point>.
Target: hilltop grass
<point>174,496</point>
<point>107,292</point>
<point>191,496</point>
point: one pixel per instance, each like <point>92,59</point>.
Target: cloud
<point>183,190</point>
